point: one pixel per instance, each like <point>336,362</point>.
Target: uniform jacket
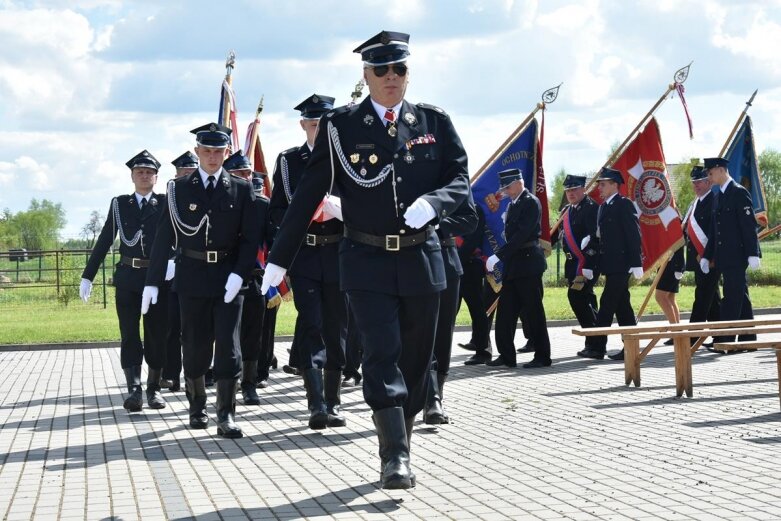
<point>583,217</point>
<point>620,247</point>
<point>522,227</point>
<point>319,263</point>
<point>233,227</point>
<point>461,222</point>
<point>733,229</point>
<point>267,235</point>
<point>703,214</point>
<point>132,219</point>
<point>378,176</point>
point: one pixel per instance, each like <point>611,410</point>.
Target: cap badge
<point>212,127</point>
<point>315,99</point>
<point>373,159</point>
<point>145,153</point>
<point>384,39</point>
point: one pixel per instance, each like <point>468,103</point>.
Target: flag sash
<point>572,243</point>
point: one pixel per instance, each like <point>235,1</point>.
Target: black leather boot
<point>441,377</point>
<point>394,448</point>
<point>249,373</point>
<point>195,389</point>
<point>226,409</point>
<point>313,383</point>
<point>332,379</point>
<point>135,400</point>
<point>433,413</point>
<point>153,395</point>
<point>408,426</point>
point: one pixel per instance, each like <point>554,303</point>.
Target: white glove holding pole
<point>753,263</point>
<point>170,271</point>
<point>637,272</point>
<point>589,274</point>
<point>584,242</point>
<point>333,206</point>
<point>419,213</point>
<point>232,287</point>
<point>490,263</point>
<point>705,266</point>
<point>272,277</point>
<point>85,290</point>
<point>678,275</point>
<point>148,297</point>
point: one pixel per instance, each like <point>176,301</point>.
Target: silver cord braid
<point>333,141</point>
<point>179,225</point>
<point>285,178</point>
<point>118,225</point>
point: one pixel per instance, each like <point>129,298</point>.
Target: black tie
<point>210,185</point>
<point>143,203</point>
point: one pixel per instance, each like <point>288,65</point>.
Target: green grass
<point>43,320</point>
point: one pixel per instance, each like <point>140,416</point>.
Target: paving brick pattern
<point>567,442</point>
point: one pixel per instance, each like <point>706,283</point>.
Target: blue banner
<point>519,153</point>
<point>744,168</point>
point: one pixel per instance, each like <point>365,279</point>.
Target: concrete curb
<point>289,338</point>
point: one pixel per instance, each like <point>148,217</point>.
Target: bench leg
<point>632,361</point>
<point>683,367</point>
<point>778,365</point>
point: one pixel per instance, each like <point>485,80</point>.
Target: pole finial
<point>550,95</point>
<point>682,73</point>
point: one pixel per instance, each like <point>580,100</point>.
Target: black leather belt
<point>389,242</point>
<point>449,242</point>
<point>134,262</point>
<point>312,239</point>
<point>528,244</point>
<point>210,257</point>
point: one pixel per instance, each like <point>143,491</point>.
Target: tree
<point>38,228</point>
<point>92,229</point>
<point>681,184</point>
<point>556,195</point>
<point>770,168</point>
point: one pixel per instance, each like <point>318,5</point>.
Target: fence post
<point>57,269</point>
<point>40,266</point>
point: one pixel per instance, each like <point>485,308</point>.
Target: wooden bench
<point>739,346</point>
<point>682,335</point>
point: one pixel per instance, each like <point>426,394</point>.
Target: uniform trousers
<point>353,345</point>
<point>321,317</point>
<point>707,301</point>
<point>173,342</point>
<point>446,321</point>
<point>473,292</point>
<point>736,304</point>
<point>252,312</point>
<point>584,304</point>
<point>211,327</point>
<point>398,342</point>
<point>132,351</point>
<point>615,301</point>
<point>522,296</point>
<point>267,341</point>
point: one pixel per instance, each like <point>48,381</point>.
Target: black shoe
<point>153,395</point>
<point>534,364</point>
<point>500,361</point>
<point>289,369</point>
<point>195,390</point>
<point>274,362</point>
<point>176,385</point>
<point>669,342</point>
<point>313,383</point>
<point>479,358</point>
<point>226,409</point>
<point>209,377</point>
<point>591,353</point>
<point>332,386</point>
<point>469,346</point>
<point>525,349</point>
<point>617,356</point>
<point>135,401</point>
<point>262,384</point>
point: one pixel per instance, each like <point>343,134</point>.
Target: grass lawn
<point>46,321</point>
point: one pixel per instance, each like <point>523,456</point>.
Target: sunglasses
<point>382,70</point>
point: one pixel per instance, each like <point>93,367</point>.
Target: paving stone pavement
<point>565,442</point>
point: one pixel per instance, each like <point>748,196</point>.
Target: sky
<point>87,84</point>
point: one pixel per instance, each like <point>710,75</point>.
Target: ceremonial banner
<point>524,153</point>
<point>744,168</point>
<point>228,112</point>
<point>647,184</point>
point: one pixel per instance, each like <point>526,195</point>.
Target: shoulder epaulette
<point>289,151</point>
<point>436,109</point>
<point>338,111</point>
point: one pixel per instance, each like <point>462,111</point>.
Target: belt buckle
<point>569,256</point>
<point>211,257</point>
<point>392,242</point>
<point>311,239</point>
<point>133,263</point>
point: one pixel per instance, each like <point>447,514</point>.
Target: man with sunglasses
<point>400,169</point>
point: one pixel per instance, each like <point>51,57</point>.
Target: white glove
<point>170,271</point>
<point>705,266</point>
<point>636,271</point>
<point>419,213</point>
<point>584,242</point>
<point>149,296</point>
<point>491,262</point>
<point>272,277</point>
<point>678,275</point>
<point>333,206</point>
<point>753,263</point>
<point>85,289</point>
<point>232,287</point>
<point>589,274</point>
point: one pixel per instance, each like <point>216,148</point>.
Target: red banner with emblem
<point>647,184</point>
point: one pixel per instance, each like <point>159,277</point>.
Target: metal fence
<point>52,278</point>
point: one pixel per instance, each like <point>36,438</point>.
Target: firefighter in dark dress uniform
<point>185,164</point>
<point>620,253</point>
<point>211,219</point>
<point>734,247</point>
<point>314,278</point>
<point>135,218</point>
<point>400,169</point>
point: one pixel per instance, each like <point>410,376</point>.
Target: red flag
<point>647,184</point>
<point>254,151</point>
<point>541,191</point>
